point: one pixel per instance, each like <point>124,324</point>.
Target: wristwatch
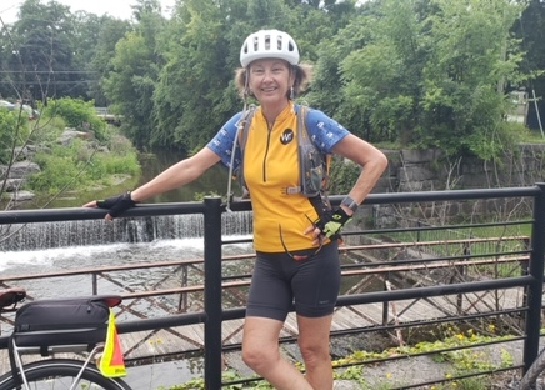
<point>350,203</point>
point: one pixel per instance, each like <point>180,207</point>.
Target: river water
<point>214,181</point>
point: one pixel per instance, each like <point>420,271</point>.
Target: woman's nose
<point>267,74</point>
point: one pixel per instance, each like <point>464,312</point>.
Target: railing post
<point>537,255</point>
<point>94,286</point>
<point>385,304</point>
<point>524,270</point>
<point>183,282</point>
<point>212,292</point>
<point>461,270</point>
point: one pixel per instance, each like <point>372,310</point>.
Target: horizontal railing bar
<point>239,313</point>
<point>434,265</point>
<point>147,324</point>
<point>414,293</point>
<point>430,196</point>
<point>439,320</point>
<point>183,289</point>
<point>437,242</point>
<point>398,357</point>
<point>394,266</point>
<point>347,248</point>
<point>81,213</point>
<point>460,377</point>
<point>401,325</point>
<point>372,296</point>
<point>436,259</point>
<point>422,196</point>
<point>433,291</point>
<point>456,288</point>
<point>438,228</point>
<point>101,270</point>
<point>86,213</point>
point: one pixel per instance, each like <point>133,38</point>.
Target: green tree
<point>130,85</point>
<point>472,58</point>
<point>42,40</point>
<point>100,65</point>
<point>531,30</point>
<point>192,98</point>
<point>430,72</point>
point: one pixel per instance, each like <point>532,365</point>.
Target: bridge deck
<point>174,341</point>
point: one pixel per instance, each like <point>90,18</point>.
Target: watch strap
<point>350,203</point>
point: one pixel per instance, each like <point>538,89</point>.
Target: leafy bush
<point>78,114</point>
<point>76,167</point>
<point>13,129</point>
<point>343,176</point>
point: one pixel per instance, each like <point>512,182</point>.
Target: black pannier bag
<point>71,321</point>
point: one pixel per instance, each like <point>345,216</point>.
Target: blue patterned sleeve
<point>324,131</point>
<point>222,143</point>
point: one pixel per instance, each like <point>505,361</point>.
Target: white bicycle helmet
<point>269,44</point>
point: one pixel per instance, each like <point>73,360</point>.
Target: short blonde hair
<point>303,76</point>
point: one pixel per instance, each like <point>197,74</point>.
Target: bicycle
<point>54,373</point>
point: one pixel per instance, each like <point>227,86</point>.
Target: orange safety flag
<point>112,362</point>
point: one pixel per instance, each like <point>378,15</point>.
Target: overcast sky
<point>116,8</point>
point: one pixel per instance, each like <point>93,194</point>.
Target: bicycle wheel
<point>57,374</point>
<point>533,372</point>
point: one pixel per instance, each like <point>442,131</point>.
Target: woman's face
<point>270,80</point>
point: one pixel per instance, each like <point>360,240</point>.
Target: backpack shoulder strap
<point>245,126</point>
<point>242,138</point>
<point>302,111</point>
<point>302,122</point>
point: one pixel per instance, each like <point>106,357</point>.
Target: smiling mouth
<point>269,89</point>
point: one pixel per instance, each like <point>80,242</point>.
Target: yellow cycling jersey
<point>270,167</point>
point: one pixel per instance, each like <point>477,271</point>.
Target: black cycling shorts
<point>312,284</point>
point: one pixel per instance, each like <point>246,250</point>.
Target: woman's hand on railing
<point>116,205</point>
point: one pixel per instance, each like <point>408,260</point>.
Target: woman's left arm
<point>372,161</point>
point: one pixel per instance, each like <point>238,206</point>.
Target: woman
<point>295,259</point>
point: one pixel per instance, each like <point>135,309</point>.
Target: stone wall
<point>428,170</point>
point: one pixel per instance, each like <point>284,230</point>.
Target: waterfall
<point>47,235</point>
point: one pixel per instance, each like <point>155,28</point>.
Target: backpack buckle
<point>293,190</point>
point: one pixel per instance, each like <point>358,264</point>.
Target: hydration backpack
<point>314,166</point>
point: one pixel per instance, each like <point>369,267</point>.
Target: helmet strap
<point>293,73</point>
<point>246,84</point>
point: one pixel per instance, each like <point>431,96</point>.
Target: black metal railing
<point>213,313</point>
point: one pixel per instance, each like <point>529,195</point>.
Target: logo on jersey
<point>286,137</point>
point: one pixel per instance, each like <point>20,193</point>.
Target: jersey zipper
<point>269,129</point>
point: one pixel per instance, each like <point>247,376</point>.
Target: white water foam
<point>41,259</point>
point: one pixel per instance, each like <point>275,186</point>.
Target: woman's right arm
<point>177,175</point>
<point>184,172</point>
